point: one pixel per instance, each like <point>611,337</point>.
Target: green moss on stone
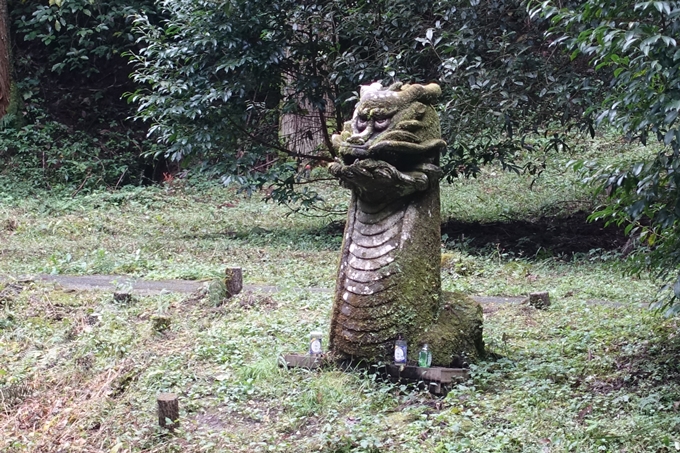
<point>456,337</point>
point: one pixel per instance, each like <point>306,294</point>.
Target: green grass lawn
<point>80,371</point>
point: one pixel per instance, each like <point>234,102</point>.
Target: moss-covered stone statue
<point>389,282</point>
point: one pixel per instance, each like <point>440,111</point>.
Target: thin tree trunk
<point>5,59</point>
<point>305,132</point>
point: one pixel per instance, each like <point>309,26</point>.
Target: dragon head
<point>391,146</point>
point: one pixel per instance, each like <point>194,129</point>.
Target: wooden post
<point>123,297</point>
<point>168,411</point>
<point>233,281</point>
<point>161,323</point>
<point>539,300</point>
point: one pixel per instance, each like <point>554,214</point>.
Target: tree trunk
<point>305,132</point>
<point>5,59</point>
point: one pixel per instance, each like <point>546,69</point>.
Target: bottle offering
<point>400,351</point>
<point>315,343</point>
<point>425,357</point>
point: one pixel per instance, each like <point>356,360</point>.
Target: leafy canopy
<point>216,76</point>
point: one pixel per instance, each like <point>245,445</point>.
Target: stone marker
<point>388,280</point>
<point>168,411</point>
<point>539,300</point>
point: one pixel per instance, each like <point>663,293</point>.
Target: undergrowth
<point>581,376</point>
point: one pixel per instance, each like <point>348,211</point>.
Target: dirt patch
<point>556,236</point>
<point>249,300</point>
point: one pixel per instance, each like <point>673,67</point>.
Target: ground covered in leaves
<point>81,370</point>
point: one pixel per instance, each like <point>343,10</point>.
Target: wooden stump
<point>123,297</point>
<point>539,300</point>
<point>161,323</point>
<point>168,411</point>
<point>233,281</point>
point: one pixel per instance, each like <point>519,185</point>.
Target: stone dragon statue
<point>388,281</point>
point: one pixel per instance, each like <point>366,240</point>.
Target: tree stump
<point>161,323</point>
<point>123,297</point>
<point>539,300</point>
<point>168,411</point>
<point>233,281</point>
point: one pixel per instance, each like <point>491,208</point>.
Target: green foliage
<point>215,77</point>
<point>50,154</point>
<point>638,46</point>
<point>502,84</point>
<point>211,76</point>
<point>69,128</point>
<point>82,36</point>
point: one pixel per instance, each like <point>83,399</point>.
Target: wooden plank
<point>437,379</point>
<point>306,361</point>
<point>436,374</point>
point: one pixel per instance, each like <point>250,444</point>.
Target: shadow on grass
<point>325,238</point>
<point>544,237</point>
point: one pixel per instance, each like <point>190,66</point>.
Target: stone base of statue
<point>455,339</point>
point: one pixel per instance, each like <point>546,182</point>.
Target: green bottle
<point>424,357</point>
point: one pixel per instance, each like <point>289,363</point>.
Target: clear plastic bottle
<point>315,343</point>
<point>425,357</point>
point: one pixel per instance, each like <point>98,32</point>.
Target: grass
<point>79,371</point>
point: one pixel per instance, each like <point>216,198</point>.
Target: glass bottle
<point>315,343</point>
<point>400,352</point>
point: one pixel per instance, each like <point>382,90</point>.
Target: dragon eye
<point>382,124</point>
<point>361,124</point>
